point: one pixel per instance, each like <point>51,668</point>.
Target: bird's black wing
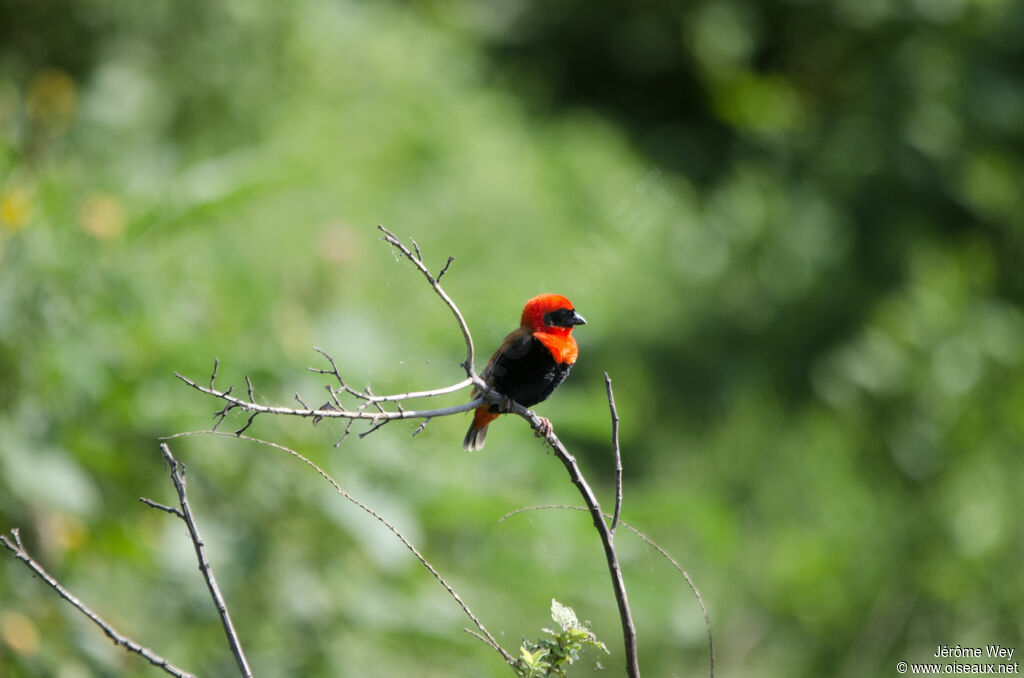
<point>524,369</point>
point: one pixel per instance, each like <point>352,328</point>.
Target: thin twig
<point>15,546</point>
<point>444,268</point>
<point>334,399</point>
<point>476,634</point>
<point>618,454</point>
<point>162,507</point>
<point>392,239</point>
<point>419,429</point>
<point>232,403</point>
<point>421,394</point>
<point>325,413</point>
<point>488,638</point>
<point>376,404</point>
<point>369,397</point>
<point>373,428</point>
<point>348,429</point>
<point>657,547</point>
<point>333,371</point>
<point>247,424</point>
<point>177,472</point>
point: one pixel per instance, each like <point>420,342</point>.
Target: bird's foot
<point>545,428</point>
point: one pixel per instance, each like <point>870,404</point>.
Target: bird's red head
<point>551,313</point>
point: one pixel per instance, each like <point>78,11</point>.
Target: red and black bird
<point>530,362</point>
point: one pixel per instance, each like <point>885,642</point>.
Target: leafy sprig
<point>550,657</point>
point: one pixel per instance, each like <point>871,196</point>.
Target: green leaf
<point>563,616</point>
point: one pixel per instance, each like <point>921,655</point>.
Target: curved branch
<point>484,633</point>
<point>417,261</point>
<point>15,546</point>
<point>340,413</point>
<point>412,395</point>
<point>616,452</point>
<point>369,397</point>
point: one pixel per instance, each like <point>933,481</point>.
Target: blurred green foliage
<point>794,227</point>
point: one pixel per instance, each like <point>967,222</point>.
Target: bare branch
<point>392,239</point>
<point>381,416</point>
<point>223,412</point>
<point>419,429</point>
<point>411,395</point>
<point>371,400</point>
<point>348,429</point>
<point>374,428</point>
<point>445,268</point>
<point>334,397</point>
<point>618,454</point>
<point>543,429</point>
<point>324,412</point>
<point>15,546</point>
<point>333,371</point>
<point>486,635</point>
<point>657,547</point>
<point>369,397</point>
<point>162,507</point>
<point>247,424</point>
<point>486,640</point>
<point>177,472</point>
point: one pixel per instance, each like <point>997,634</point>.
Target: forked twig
<point>369,397</point>
<point>334,412</point>
<point>177,472</point>
<point>417,261</point>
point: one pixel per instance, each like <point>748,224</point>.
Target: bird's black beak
<point>577,319</point>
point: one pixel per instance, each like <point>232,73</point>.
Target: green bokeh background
<point>795,228</point>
